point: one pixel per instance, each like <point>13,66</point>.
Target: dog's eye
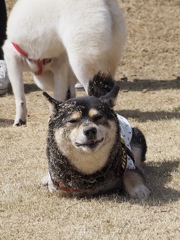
<point>97,118</point>
<point>73,120</point>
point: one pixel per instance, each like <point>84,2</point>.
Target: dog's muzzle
<point>90,132</point>
<point>90,139</point>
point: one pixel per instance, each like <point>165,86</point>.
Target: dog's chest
<point>113,183</point>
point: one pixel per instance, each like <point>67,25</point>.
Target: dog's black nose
<point>90,131</point>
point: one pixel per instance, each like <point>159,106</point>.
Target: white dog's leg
<point>83,69</point>
<point>61,85</point>
<point>45,81</point>
<point>63,79</point>
<point>72,80</point>
<point>15,72</point>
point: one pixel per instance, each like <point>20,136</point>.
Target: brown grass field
<point>149,77</point>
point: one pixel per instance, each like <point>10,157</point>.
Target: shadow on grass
<point>144,116</point>
<point>135,114</point>
<point>28,88</point>
<point>6,122</point>
<point>152,85</point>
<point>136,85</point>
<point>157,176</point>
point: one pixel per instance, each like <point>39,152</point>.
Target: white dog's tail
<point>100,85</point>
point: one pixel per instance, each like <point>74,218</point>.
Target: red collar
<point>39,62</point>
<point>67,189</point>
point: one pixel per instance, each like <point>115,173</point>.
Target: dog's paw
<point>46,181</point>
<point>19,123</point>
<point>140,191</point>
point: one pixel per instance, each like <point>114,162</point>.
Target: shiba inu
<point>91,149</point>
<point>60,42</point>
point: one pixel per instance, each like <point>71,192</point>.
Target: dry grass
<point>150,99</point>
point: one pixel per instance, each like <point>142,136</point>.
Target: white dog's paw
<point>19,123</point>
<point>140,191</point>
<point>21,114</point>
<point>46,181</point>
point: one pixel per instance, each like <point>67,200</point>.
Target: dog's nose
<point>90,131</point>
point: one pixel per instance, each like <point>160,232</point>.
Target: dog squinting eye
<point>73,121</point>
<point>97,118</point>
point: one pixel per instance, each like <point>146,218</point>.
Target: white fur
<point>47,181</point>
<point>82,37</point>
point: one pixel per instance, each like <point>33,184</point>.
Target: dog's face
<point>88,129</point>
<point>84,129</point>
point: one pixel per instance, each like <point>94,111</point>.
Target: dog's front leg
<point>15,72</point>
<point>134,184</point>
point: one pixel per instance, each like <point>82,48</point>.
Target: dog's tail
<point>139,146</point>
<point>100,85</point>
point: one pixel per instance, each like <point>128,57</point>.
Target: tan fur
<point>80,158</point>
<point>93,112</point>
<point>76,116</point>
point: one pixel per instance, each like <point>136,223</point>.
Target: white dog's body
<point>80,37</point>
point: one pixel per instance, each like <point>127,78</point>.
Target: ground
<point>149,78</point>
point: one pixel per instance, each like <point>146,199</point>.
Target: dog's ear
<point>111,97</point>
<point>52,103</point>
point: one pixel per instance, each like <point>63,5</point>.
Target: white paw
<point>19,123</point>
<point>140,191</point>
<point>47,181</point>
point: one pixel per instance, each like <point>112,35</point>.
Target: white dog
<point>61,41</point>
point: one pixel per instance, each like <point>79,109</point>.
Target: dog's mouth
<point>89,144</point>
